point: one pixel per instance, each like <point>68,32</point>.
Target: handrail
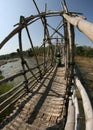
<point>14,94</point>
<point>77,112</point>
<point>19,74</point>
<point>86,104</point>
<point>20,84</point>
<point>70,124</point>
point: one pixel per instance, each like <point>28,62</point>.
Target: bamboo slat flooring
<point>43,108</point>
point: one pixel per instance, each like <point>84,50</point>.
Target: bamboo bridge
<point>46,98</point>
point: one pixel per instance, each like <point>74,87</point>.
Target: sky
<point>11,10</point>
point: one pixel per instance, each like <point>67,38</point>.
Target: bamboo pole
<point>44,43</point>
<point>34,51</point>
<point>55,30</point>
<point>86,105</point>
<point>22,62</point>
<point>47,31</point>
<point>44,40</point>
<point>25,63</point>
<point>66,50</point>
<point>71,50</point>
<point>31,19</point>
<point>70,124</point>
<point>77,113</point>
<point>83,25</point>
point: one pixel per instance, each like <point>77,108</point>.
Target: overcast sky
<point>11,10</point>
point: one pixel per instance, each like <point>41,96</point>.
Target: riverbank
<point>2,62</point>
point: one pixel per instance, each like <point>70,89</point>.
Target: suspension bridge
<point>46,98</point>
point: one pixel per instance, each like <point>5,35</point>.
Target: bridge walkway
<point>43,108</point>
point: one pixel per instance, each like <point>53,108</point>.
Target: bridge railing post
<point>71,51</point>
<point>69,47</point>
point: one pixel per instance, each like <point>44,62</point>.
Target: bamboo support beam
<point>44,42</point>
<point>22,63</point>
<point>33,51</point>
<point>55,30</point>
<point>66,51</point>
<point>25,63</point>
<point>30,19</point>
<point>82,24</point>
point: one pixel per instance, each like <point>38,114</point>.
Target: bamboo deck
<point>43,108</point>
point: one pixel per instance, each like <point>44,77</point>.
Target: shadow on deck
<point>43,108</point>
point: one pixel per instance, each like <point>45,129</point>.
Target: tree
<point>84,51</point>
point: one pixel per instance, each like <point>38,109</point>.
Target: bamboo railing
<point>9,98</point>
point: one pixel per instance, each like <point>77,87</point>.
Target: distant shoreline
<point>2,62</point>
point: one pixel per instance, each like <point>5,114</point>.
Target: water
<point>11,68</point>
<point>15,67</point>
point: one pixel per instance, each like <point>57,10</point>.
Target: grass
<point>1,76</point>
<point>86,67</point>
<point>5,87</point>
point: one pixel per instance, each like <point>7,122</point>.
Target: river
<point>13,67</point>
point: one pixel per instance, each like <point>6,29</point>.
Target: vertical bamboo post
<point>70,35</point>
<point>71,50</point>
<point>66,38</point>
<point>66,47</point>
<point>44,40</point>
<point>47,33</point>
<point>22,61</point>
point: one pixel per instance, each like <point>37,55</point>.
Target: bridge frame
<point>70,20</point>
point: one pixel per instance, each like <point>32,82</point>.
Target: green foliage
<point>1,76</point>
<point>5,87</point>
<point>27,53</point>
<point>8,56</point>
<point>84,51</point>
